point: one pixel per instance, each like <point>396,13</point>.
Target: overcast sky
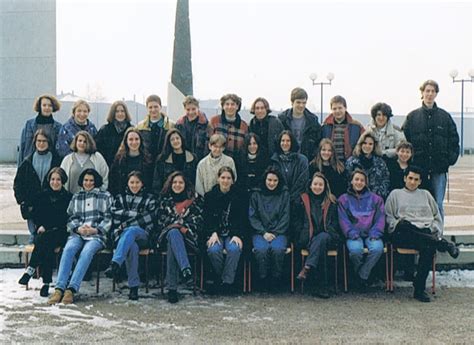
<point>378,51</point>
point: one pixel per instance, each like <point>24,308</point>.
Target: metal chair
<point>330,253</point>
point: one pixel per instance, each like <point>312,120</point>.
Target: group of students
<point>174,186</point>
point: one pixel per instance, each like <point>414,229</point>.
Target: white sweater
<point>207,169</point>
<point>99,163</point>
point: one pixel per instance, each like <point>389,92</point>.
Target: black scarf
<point>44,120</point>
<point>179,197</point>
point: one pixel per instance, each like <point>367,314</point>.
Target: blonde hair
<point>78,103</point>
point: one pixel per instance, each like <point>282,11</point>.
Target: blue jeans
<point>74,245</point>
<point>270,252</point>
<point>32,230</point>
<point>356,253</point>
<point>176,258</point>
<point>317,248</point>
<point>438,189</point>
<point>127,250</point>
<point>225,268</point>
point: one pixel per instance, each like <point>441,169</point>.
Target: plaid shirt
<point>133,210</point>
<point>234,133</point>
<point>93,208</point>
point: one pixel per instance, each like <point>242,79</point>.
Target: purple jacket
<point>361,216</point>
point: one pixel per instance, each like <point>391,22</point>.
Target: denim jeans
<point>74,245</point>
<point>176,258</point>
<point>224,267</point>
<point>438,189</point>
<point>267,253</point>
<point>356,253</point>
<point>317,258</point>
<point>127,250</point>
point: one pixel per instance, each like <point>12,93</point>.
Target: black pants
<point>43,255</point>
<point>407,235</point>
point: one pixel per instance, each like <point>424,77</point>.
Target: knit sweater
<point>99,164</point>
<point>207,169</point>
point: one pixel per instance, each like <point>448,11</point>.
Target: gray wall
<point>27,64</point>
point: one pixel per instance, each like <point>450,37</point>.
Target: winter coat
<point>195,136</point>
<point>94,208</point>
<point>311,131</point>
<point>314,218</point>
<point>361,216</point>
<point>269,134</point>
<point>99,164</point>
<point>27,184</point>
<point>190,222</point>
<point>67,134</point>
<point>118,175</point>
<point>154,142</point>
<point>295,172</point>
<point>352,133</point>
<point>434,137</point>
<point>108,141</point>
<point>133,210</point>
<point>251,171</point>
<point>337,181</point>
<point>388,137</point>
<point>396,174</point>
<point>207,169</point>
<point>234,133</point>
<point>224,213</point>
<point>270,212</point>
<point>50,209</point>
<point>163,168</point>
<point>376,170</point>
<point>27,147</point>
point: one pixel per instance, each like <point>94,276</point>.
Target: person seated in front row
<point>89,222</point>
<point>362,221</point>
<point>269,216</point>
<point>414,221</point>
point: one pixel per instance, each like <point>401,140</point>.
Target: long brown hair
<point>188,185</point>
<point>334,162</point>
<point>328,196</point>
<point>123,149</point>
<point>113,110</point>
<point>167,148</point>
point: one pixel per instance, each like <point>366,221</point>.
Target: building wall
<point>27,65</point>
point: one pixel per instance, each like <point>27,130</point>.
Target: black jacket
<point>120,169</point>
<point>270,212</point>
<point>163,168</point>
<point>108,141</point>
<point>311,131</point>
<point>295,172</point>
<point>337,181</point>
<point>434,137</point>
<point>250,172</point>
<point>268,130</point>
<point>50,209</point>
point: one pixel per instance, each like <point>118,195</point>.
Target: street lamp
<point>453,74</point>
<point>329,77</point>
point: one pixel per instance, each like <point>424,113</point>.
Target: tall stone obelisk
<point>181,84</point>
<point>27,65</point>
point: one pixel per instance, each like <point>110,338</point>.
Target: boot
<point>25,278</point>
<point>422,296</point>
<point>321,292</point>
<point>173,296</point>
<point>44,292</point>
<point>113,271</point>
<point>56,297</point>
<point>303,275</point>
<point>133,295</point>
<point>453,251</point>
<point>187,276</point>
<point>68,297</point>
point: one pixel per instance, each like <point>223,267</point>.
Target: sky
<point>378,51</point>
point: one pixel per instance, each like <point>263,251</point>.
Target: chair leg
<point>98,276</point>
<point>302,281</point>
<point>250,275</point>
<point>387,279</point>
<point>335,274</point>
<point>245,277</point>
<point>345,267</point>
<point>292,269</point>
<point>195,275</point>
<point>391,269</point>
<point>162,276</point>
<point>27,261</point>
<point>433,287</point>
<point>202,273</point>
<point>146,273</point>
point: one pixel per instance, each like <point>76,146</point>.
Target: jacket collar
<point>201,119</point>
<point>236,123</point>
<point>330,120</point>
<point>188,155</point>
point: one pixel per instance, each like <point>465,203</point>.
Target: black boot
<point>172,296</point>
<point>44,292</point>
<point>25,278</point>
<point>321,292</point>
<point>113,271</point>
<point>422,296</point>
<point>187,276</point>
<point>453,251</point>
<point>133,295</point>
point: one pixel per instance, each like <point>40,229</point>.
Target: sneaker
<point>133,295</point>
<point>68,297</point>
<point>453,251</point>
<point>422,296</point>
<point>303,273</point>
<point>113,272</point>
<point>44,292</point>
<point>25,278</point>
<point>172,296</point>
<point>187,275</point>
<point>56,297</point>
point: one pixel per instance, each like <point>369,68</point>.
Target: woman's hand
<point>269,236</point>
<point>237,241</point>
<point>87,230</point>
<point>213,240</point>
<point>41,229</point>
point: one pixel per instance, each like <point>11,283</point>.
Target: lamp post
<point>330,78</point>
<point>453,74</point>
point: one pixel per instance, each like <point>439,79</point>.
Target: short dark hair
<point>294,144</point>
<point>403,144</point>
<point>98,181</point>
<point>136,173</point>
<point>338,99</point>
<point>298,93</point>
<point>382,107</point>
<point>226,169</point>
<point>54,102</point>
<point>414,169</point>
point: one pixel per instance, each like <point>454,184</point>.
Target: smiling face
<point>154,110</point>
<point>134,184</point>
<point>260,110</point>
<point>253,146</point>
<point>358,182</point>
<point>41,143</point>
<point>81,144</point>
<point>326,153</point>
<point>285,143</point>
<point>88,183</point>
<point>230,108</point>
<point>81,114</point>
<point>46,107</point>
<point>380,119</point>
<point>299,106</point>
<point>339,111</point>
<point>176,143</point>
<point>317,185</point>
<point>178,185</point>
<point>271,181</point>
<point>55,182</point>
<point>216,150</point>
<point>412,181</point>
<point>191,110</point>
<point>133,142</point>
<point>225,180</point>
<point>120,114</point>
<point>368,146</point>
<point>404,155</point>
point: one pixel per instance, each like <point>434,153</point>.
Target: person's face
<point>339,111</point>
<point>271,181</point>
<point>358,182</point>
<point>81,144</point>
<point>285,143</point>
<point>225,181</point>
<point>404,155</point>
<point>317,185</point>
<point>178,184</point>
<point>175,141</point>
<point>46,106</point>
<point>412,181</point>
<point>298,106</point>
<point>120,114</point>
<point>81,114</point>
<point>429,94</point>
<point>191,110</point>
<point>135,184</point>
<point>55,182</point>
<point>326,153</point>
<point>88,183</point>
<point>216,150</point>
<point>253,146</point>
<point>380,119</point>
<point>41,143</point>
<point>133,142</point>
<point>154,109</point>
<point>368,146</point>
<point>260,110</point>
<point>230,108</point>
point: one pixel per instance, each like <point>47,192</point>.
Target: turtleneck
<point>44,120</point>
<point>179,160</point>
<point>179,197</point>
<point>230,119</point>
<point>41,163</point>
